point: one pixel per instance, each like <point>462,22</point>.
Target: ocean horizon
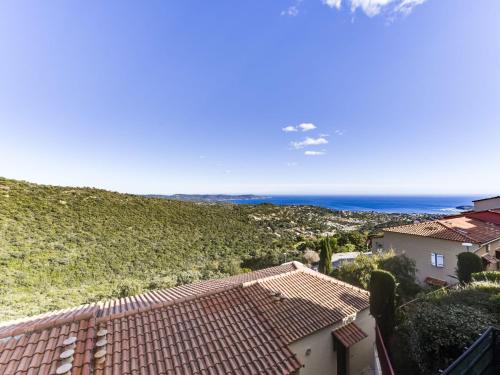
<point>418,204</point>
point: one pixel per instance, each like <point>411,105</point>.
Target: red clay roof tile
<point>229,325</point>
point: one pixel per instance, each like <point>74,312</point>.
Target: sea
<point>446,205</point>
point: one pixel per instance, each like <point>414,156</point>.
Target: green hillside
<point>62,246</point>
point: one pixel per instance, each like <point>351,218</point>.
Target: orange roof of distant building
<point>476,227</point>
<point>240,324</point>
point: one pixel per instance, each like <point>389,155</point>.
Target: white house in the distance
<point>434,245</point>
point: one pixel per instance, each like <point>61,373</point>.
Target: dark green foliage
<point>63,246</point>
<point>357,273</point>
<point>467,264</point>
<point>433,335</point>
<point>325,256</point>
<point>352,241</point>
<point>434,331</point>
<point>383,300</point>
<point>404,270</point>
<point>493,276</point>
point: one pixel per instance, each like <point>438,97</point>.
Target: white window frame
<point>437,260</point>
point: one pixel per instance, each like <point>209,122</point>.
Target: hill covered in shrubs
<point>63,246</point>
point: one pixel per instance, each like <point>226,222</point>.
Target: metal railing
<point>385,361</point>
<point>479,358</point>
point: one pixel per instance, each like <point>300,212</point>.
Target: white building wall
<point>420,249</point>
<point>322,359</point>
<point>487,204</point>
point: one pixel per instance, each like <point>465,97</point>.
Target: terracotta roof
<point>490,259</point>
<point>349,334</point>
<point>133,303</point>
<point>460,228</point>
<point>38,352</point>
<point>311,302</point>
<point>240,324</point>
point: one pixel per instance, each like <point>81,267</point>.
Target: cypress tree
<point>382,300</point>
<point>325,256</point>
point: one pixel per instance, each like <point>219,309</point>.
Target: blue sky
<point>193,96</point>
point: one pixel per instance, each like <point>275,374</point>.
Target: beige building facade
<point>434,257</point>
<point>319,355</point>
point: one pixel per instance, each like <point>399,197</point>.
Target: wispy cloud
<point>292,10</point>
<point>338,132</point>
<point>305,127</point>
<point>333,3</point>
<point>314,153</point>
<point>291,164</point>
<point>309,142</point>
<point>374,7</point>
<point>288,129</point>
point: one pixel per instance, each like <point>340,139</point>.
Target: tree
<point>325,255</point>
<point>404,270</point>
<point>467,264</point>
<point>382,300</point>
<point>358,272</point>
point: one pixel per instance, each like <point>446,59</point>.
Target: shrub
<point>493,276</point>
<point>467,264</point>
<point>434,335</point>
<point>382,300</point>
<point>404,270</point>
<point>358,272</point>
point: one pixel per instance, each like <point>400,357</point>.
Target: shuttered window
<point>437,260</point>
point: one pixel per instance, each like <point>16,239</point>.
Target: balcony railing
<point>480,358</point>
<point>383,356</point>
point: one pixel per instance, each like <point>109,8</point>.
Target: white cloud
<point>291,164</point>
<point>333,3</point>
<point>288,129</point>
<point>314,153</point>
<point>307,126</point>
<point>292,10</point>
<point>374,7</point>
<point>406,6</point>
<point>310,142</point>
<point>339,132</point>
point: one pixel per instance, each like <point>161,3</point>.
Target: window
<point>437,260</point>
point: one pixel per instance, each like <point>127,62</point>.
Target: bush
<point>432,336</point>
<point>404,270</point>
<point>382,300</point>
<point>467,264</point>
<point>358,272</point>
<point>493,276</point>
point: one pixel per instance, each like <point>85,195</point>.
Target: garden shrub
<point>493,276</point>
<point>436,334</point>
<point>467,264</point>
<point>382,300</point>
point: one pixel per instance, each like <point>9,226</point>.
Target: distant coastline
<point>209,197</point>
<point>441,205</point>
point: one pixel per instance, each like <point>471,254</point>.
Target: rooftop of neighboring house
<point>477,227</point>
<point>242,324</point>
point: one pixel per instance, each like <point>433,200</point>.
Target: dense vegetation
<point>359,273</point>
<point>60,246</point>
<point>435,330</point>
<point>467,264</point>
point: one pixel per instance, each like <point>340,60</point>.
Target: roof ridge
<point>332,280</point>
